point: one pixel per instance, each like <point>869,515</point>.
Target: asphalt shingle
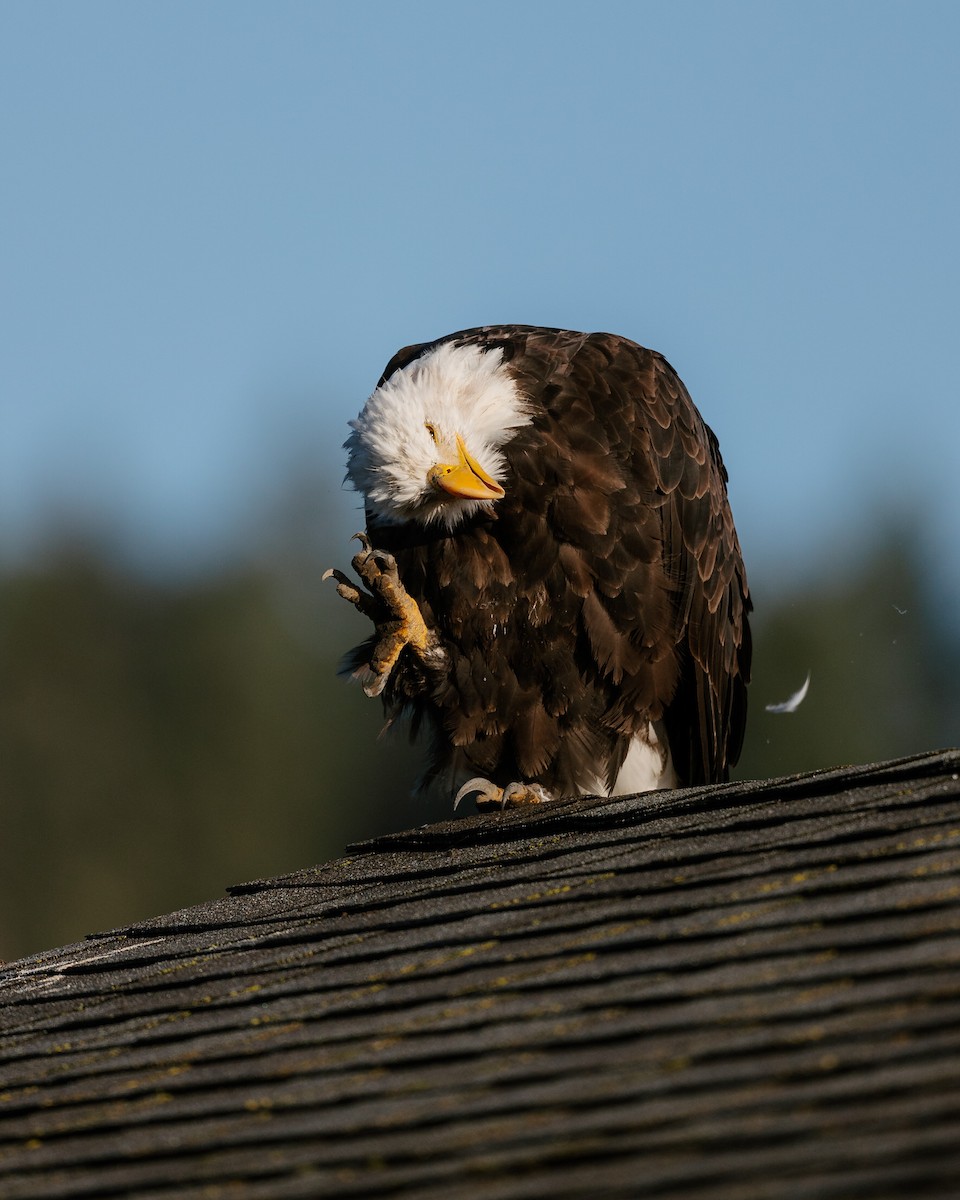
<point>747,990</point>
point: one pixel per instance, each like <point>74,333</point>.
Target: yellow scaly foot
<point>395,614</point>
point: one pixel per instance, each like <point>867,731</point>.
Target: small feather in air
<point>793,703</point>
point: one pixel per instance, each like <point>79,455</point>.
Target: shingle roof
<point>749,990</point>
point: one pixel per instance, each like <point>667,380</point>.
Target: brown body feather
<point>605,590</point>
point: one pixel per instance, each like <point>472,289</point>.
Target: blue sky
<point>221,219</point>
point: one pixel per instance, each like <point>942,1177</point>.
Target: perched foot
<point>489,796</point>
<point>395,614</point>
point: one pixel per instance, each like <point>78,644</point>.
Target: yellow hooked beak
<point>466,478</point>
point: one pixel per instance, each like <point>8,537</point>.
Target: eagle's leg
<point>394,612</point>
<point>514,795</point>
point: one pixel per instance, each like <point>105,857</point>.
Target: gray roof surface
<point>748,990</point>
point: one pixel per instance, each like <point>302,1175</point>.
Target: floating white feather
<point>792,703</point>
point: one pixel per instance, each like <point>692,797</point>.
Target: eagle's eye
<point>432,430</point>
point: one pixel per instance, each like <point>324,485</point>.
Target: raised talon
<point>395,614</point>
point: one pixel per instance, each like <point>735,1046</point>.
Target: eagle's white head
<point>427,445</point>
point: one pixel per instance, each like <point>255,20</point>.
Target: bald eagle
<point>550,565</point>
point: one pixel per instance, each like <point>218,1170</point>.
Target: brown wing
<point>672,528</point>
<point>647,539</point>
<point>707,716</point>
<point>617,405</point>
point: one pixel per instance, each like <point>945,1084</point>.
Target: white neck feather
<point>452,390</point>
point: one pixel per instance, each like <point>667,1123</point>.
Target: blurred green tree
<point>160,742</point>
